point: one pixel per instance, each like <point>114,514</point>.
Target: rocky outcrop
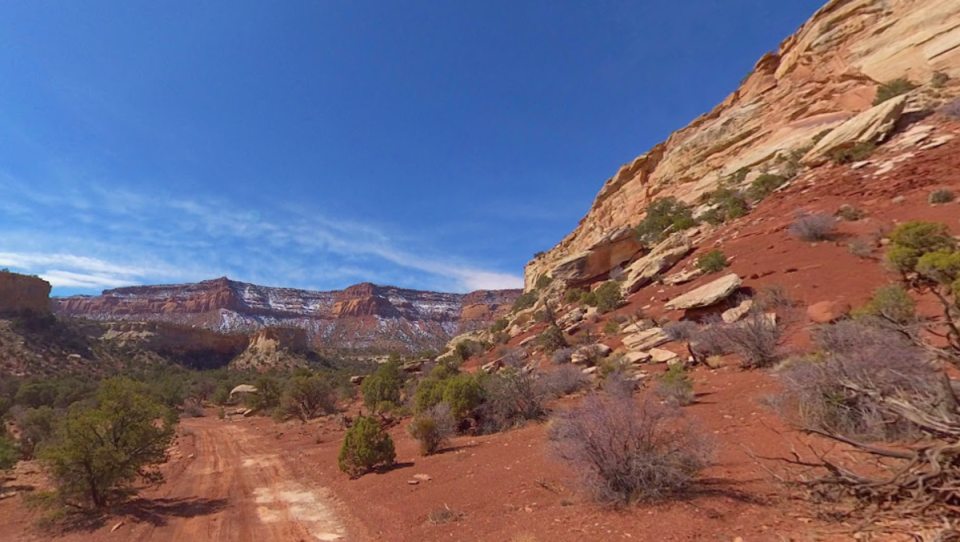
<point>660,259</point>
<point>23,293</point>
<point>202,348</point>
<point>361,317</point>
<point>871,126</point>
<point>597,260</point>
<point>819,78</point>
<point>706,295</point>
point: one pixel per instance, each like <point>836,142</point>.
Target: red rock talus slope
<point>821,76</point>
<point>362,316</point>
<point>20,293</point>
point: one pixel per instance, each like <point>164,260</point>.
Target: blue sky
<point>318,144</point>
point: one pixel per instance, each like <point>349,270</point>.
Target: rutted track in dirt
<point>230,490</point>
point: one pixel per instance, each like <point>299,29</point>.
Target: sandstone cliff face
<point>191,345</point>
<point>359,317</point>
<point>824,74</point>
<point>20,293</point>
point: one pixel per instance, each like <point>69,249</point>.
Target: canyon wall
<point>363,316</point>
<point>819,77</point>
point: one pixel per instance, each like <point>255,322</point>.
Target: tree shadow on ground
<point>454,449</point>
<point>153,511</point>
<point>157,511</point>
<point>718,488</point>
<point>396,466</point>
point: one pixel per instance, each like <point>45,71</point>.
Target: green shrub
<point>664,216</point>
<point>737,177</point>
<point>36,427</point>
<point>267,397</point>
<point>221,413</point>
<point>611,328</point>
<point>433,428</point>
<point>911,240</point>
<point>573,295</point>
<point>588,299</point>
<point>365,447</point>
<point>464,394</point>
<point>381,387</point>
<point>729,204</point>
<point>222,395</point>
<point>764,185</point>
<point>820,135</point>
<point>676,386</point>
<point>891,302</point>
<point>941,196</point>
<point>939,80</point>
<point>609,296</point>
<point>857,153</point>
<point>525,301</point>
<point>499,325</point>
<point>543,281</point>
<point>467,349</point>
<point>308,397</point>
<point>892,89</point>
<point>552,339</point>
<point>100,452</point>
<point>712,262</point>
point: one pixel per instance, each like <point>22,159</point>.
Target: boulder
<point>357,379</point>
<point>659,355</point>
<point>636,357</point>
<point>825,312</point>
<point>493,366</point>
<point>588,353</point>
<point>602,349</point>
<point>646,340</point>
<point>528,340</point>
<point>607,253</point>
<point>706,295</point>
<point>872,125</point>
<point>735,314</point>
<point>660,259</point>
<point>243,388</point>
<point>637,327</point>
<point>572,317</point>
<point>683,277</point>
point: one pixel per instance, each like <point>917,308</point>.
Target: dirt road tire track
<point>234,489</point>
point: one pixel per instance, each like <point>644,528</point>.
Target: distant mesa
<point>362,316</point>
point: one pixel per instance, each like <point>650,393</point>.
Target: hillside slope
<point>820,77</point>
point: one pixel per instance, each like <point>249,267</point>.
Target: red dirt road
<point>225,483</point>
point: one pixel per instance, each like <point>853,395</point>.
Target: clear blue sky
<point>317,144</point>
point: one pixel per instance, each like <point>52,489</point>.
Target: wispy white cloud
<point>94,237</point>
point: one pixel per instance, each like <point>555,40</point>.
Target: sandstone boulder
<point>706,295</point>
<point>636,357</point>
<point>528,340</point>
<point>646,340</point>
<point>242,389</point>
<point>682,277</point>
<point>659,355</point>
<point>661,258</point>
<point>825,312</point>
<point>872,125</point>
